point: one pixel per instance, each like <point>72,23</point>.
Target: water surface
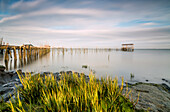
<point>152,65</point>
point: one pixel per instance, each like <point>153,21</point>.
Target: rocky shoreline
<point>153,97</point>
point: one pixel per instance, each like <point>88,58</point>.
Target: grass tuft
<point>71,93</point>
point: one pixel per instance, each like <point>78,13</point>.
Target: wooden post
<point>63,51</point>
<point>10,53</point>
<point>25,61</point>
<point>21,63</point>
<point>19,52</point>
<point>30,52</point>
<point>24,55</point>
<point>15,55</point>
<point>6,55</point>
<point>84,50</point>
<point>58,51</point>
<point>15,63</point>
<point>32,55</point>
<point>35,53</point>
<point>71,50</point>
<point>40,52</point>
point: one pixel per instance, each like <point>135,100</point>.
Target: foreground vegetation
<point>70,93</point>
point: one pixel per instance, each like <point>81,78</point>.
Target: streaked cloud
<point>149,24</point>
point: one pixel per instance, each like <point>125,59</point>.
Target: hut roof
<point>127,44</point>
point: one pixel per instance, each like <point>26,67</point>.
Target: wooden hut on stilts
<point>128,47</point>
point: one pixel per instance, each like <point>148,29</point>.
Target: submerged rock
<point>166,80</point>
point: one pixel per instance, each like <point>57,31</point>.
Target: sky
<point>86,23</point>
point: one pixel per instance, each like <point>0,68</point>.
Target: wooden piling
<point>24,53</point>
<point>15,55</point>
<point>15,63</point>
<point>20,53</point>
<point>27,48</point>
<point>30,51</point>
<point>10,53</point>
<point>6,55</point>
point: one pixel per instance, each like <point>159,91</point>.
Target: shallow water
<point>152,65</point>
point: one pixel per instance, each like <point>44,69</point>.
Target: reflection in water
<point>1,57</point>
<point>22,62</point>
<point>6,64</point>
<point>144,64</point>
<point>15,63</point>
<point>10,64</point>
<point>108,57</point>
<point>25,62</point>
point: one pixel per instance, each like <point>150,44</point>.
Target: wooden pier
<point>25,51</point>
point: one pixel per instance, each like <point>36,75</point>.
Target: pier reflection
<point>15,64</point>
<point>25,57</point>
<point>22,59</point>
<point>6,64</point>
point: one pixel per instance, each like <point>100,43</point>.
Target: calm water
<point>152,65</point>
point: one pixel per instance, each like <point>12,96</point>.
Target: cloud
<point>149,24</point>
<point>87,23</point>
<point>10,18</point>
<point>25,6</point>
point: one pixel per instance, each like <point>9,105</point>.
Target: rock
<point>8,80</point>
<point>2,82</point>
<point>7,95</point>
<point>166,87</point>
<point>166,80</point>
<point>14,77</point>
<point>10,84</point>
<point>163,79</point>
<point>2,68</point>
<point>84,66</point>
<point>152,96</point>
<point>132,76</point>
<point>5,90</point>
<point>2,73</point>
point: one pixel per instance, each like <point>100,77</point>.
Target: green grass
<point>71,93</point>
